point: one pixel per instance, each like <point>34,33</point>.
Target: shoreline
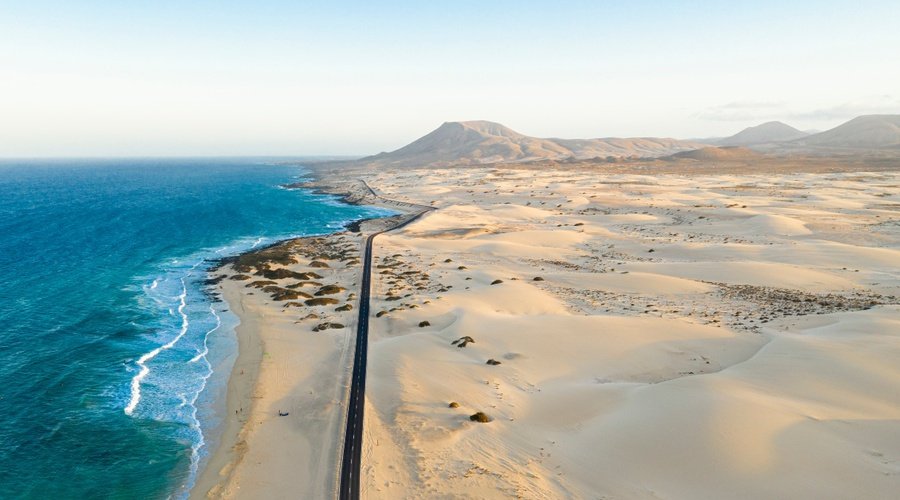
<point>244,381</point>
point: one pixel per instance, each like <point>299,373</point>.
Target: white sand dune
<point>677,345</point>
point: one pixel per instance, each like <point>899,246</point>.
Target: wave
<point>144,370</point>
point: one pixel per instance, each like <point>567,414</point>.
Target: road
<point>350,463</point>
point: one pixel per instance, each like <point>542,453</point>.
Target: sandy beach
<point>649,336</point>
<point>286,394</point>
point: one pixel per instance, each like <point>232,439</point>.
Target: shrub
<point>321,301</point>
<point>462,341</point>
<point>480,417</point>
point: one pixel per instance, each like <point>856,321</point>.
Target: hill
<point>484,142</point>
<point>766,133</point>
<point>728,153</point>
<point>863,132</point>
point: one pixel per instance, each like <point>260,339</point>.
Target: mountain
<point>484,142</point>
<point>766,133</point>
<point>862,132</point>
<point>725,153</point>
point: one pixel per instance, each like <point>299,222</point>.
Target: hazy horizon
<point>276,79</point>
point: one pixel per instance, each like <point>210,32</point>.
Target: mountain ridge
<point>486,142</point>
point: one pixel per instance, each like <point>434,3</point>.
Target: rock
<point>480,417</point>
<point>311,316</point>
<point>453,404</point>
<point>380,314</point>
<point>318,263</point>
<point>448,260</point>
<point>239,277</point>
<point>423,324</point>
<point>496,282</point>
<point>462,268</point>
<point>492,362</point>
<point>345,307</point>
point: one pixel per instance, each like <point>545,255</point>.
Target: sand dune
<point>688,337</point>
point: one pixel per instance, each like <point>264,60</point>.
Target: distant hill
<point>483,142</point>
<point>769,132</point>
<point>727,153</point>
<point>863,132</point>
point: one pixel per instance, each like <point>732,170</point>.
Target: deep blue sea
<point>112,357</point>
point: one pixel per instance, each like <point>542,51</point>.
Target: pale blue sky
<point>277,77</point>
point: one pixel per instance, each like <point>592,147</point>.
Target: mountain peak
<point>484,142</point>
<point>768,132</point>
<point>866,131</point>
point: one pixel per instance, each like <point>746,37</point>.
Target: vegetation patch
<point>481,417</point>
<point>329,290</point>
<point>321,301</point>
<point>463,341</point>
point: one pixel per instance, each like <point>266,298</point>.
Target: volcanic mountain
<point>769,132</point>
<point>862,132</point>
<point>484,142</point>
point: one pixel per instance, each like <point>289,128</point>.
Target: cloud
<point>883,104</point>
<point>740,111</point>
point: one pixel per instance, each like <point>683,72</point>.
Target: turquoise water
<point>111,354</point>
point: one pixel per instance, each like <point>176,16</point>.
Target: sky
<point>267,77</point>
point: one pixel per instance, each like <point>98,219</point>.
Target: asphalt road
<point>350,463</point>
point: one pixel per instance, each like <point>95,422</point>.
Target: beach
<point>629,336</point>
<point>285,409</point>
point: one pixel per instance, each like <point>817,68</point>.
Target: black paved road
<point>349,487</point>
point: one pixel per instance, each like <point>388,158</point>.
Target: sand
<point>283,366</point>
<point>702,336</point>
<point>690,336</point>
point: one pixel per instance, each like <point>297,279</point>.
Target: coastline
<point>248,383</point>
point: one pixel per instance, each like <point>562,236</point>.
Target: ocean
<point>113,359</point>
